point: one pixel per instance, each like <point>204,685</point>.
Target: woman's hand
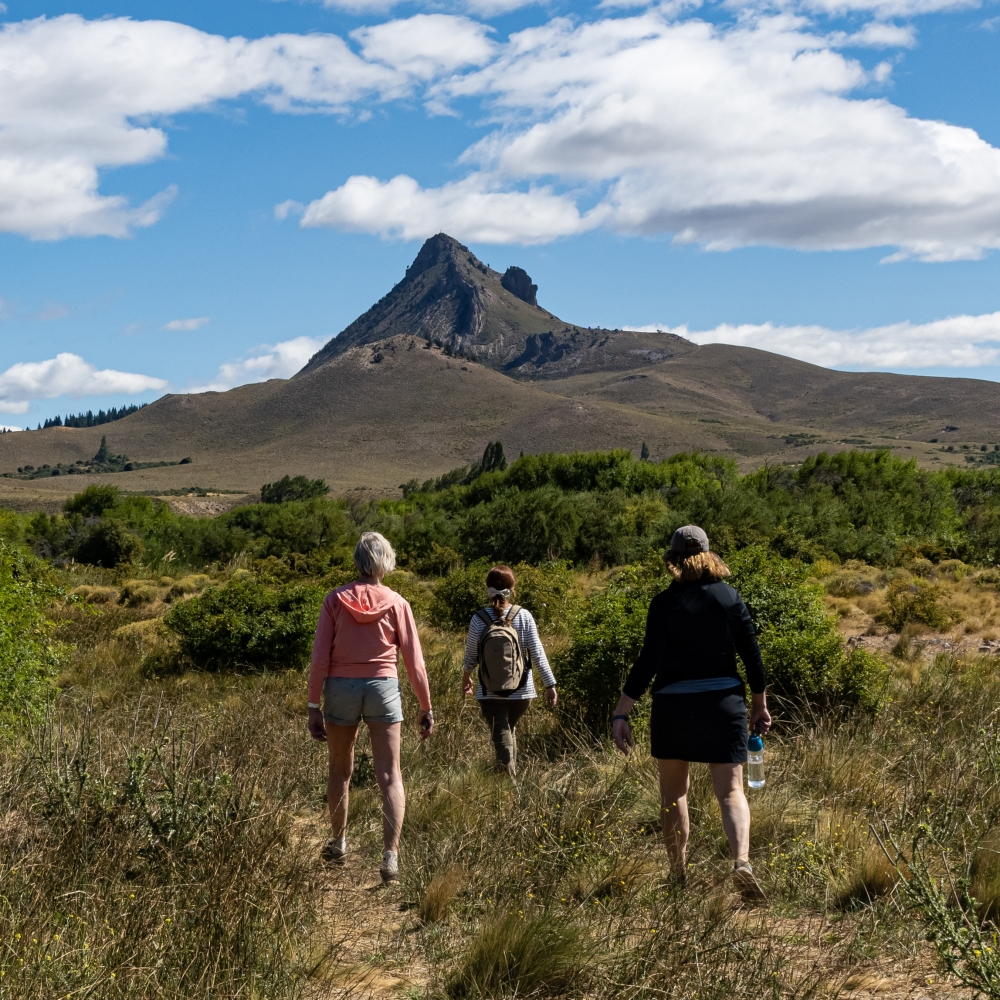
<point>317,728</point>
<point>426,722</point>
<point>760,717</point>
<point>468,685</point>
<point>621,732</point>
<point>551,697</point>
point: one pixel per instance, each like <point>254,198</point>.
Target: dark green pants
<point>503,715</point>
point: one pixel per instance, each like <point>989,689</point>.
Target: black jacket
<point>694,630</point>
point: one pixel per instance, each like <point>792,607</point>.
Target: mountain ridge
<point>449,296</point>
<point>398,395</point>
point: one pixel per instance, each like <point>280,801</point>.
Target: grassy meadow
<point>162,807</point>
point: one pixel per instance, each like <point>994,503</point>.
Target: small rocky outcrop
<point>517,281</point>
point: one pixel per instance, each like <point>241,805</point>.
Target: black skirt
<point>708,726</point>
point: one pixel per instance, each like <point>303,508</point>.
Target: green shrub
<point>607,635</point>
<point>108,544</point>
<point>247,624</point>
<point>293,488</point>
<point>913,600</point>
<point>415,590</point>
<point>459,596</point>
<point>94,501</point>
<point>29,658</point>
<point>803,652</point>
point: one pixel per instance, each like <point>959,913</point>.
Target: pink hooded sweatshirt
<point>362,629</point>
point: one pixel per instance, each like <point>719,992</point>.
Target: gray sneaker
<point>333,853</point>
<point>746,883</point>
<point>390,866</point>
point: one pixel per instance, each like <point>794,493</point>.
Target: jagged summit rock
<point>517,281</point>
<point>450,297</point>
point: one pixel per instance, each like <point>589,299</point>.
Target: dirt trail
<point>366,930</point>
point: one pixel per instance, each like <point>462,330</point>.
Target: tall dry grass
<point>159,837</point>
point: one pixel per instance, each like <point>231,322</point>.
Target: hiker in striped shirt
<point>503,643</point>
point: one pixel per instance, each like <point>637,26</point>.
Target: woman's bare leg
<point>385,738</point>
<point>340,740</point>
<point>674,779</point>
<point>727,781</point>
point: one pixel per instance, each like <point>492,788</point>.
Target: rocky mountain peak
<point>443,249</point>
<point>450,297</point>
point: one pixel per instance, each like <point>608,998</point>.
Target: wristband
<point>429,712</point>
<point>313,704</point>
<point>615,718</point>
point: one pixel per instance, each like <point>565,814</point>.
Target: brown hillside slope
<point>366,423</point>
<point>741,383</point>
<point>355,421</point>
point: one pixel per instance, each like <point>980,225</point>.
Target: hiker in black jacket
<point>694,630</point>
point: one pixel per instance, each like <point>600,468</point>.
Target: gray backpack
<point>501,659</point>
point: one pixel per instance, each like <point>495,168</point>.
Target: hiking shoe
<point>746,883</point>
<point>334,852</point>
<point>390,866</point>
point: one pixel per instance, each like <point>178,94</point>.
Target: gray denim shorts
<point>348,700</point>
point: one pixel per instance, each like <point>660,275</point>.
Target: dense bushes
<point>613,508</point>
<point>803,651</point>
<point>317,527</point>
<point>596,508</point>
<point>109,544</point>
<point>245,623</point>
<point>29,658</point>
<point>293,488</point>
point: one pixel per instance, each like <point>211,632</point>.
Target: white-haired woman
<point>363,627</point>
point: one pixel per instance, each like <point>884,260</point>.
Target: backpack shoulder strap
<point>512,613</point>
<point>485,617</point>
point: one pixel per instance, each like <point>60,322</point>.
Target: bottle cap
<point>755,743</point>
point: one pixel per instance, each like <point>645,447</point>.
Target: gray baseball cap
<point>688,540</point>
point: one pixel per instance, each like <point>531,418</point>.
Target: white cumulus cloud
<point>66,375</point>
<point>759,132</point>
<point>756,130</point>
<point>468,209</point>
<point>956,342</point>
<point>78,96</point>
<point>195,323</point>
<point>426,45</point>
<point>281,360</point>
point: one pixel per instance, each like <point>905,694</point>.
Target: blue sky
<point>198,195</point>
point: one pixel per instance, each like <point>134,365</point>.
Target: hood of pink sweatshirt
<point>366,606</point>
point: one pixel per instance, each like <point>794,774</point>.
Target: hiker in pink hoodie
<point>362,629</point>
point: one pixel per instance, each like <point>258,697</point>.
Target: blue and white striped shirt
<point>527,631</point>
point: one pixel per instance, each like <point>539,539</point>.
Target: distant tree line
<point>91,419</point>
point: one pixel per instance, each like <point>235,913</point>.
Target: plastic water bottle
<point>755,761</point>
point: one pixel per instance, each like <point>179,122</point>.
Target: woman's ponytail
<point>500,583</point>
